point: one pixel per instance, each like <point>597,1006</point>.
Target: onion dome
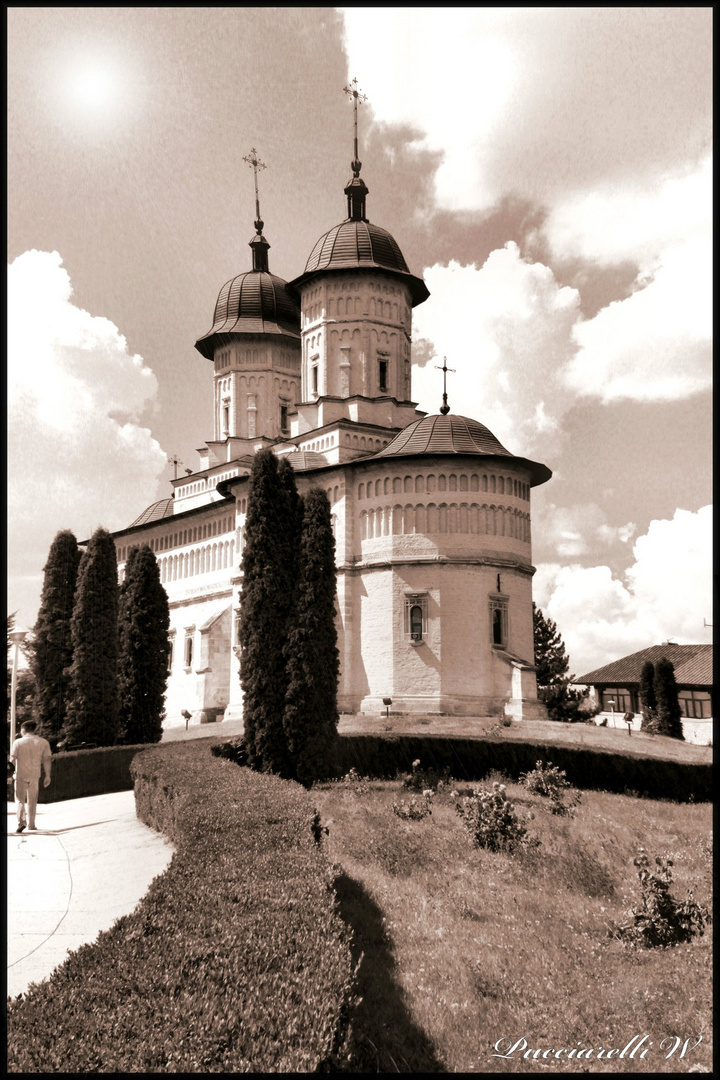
<point>161,509</point>
<point>256,302</point>
<point>356,244</point>
<point>451,434</point>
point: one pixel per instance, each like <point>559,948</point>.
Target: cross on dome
<point>445,408</point>
<point>356,189</point>
<point>258,243</point>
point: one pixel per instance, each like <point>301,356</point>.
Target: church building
<point>431,514</point>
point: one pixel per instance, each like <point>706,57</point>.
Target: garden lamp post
<point>16,637</point>
<point>611,703</point>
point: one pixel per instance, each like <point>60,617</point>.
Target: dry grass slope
<point>464,947</point>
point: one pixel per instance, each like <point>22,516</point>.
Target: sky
<point>546,170</point>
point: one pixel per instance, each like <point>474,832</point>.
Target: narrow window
<point>416,622</point>
<point>284,426</point>
<point>188,650</point>
<point>314,377</point>
<point>226,420</point>
<point>382,375</point>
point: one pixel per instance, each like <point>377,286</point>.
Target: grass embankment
<point>463,947</point>
<point>234,961</point>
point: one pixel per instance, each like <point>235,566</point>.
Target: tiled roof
<point>692,663</point>
<point>355,245</point>
<point>255,302</point>
<point>161,509</point>
<point>306,459</point>
<point>453,434</point>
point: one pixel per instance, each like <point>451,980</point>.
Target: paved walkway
<point>89,862</point>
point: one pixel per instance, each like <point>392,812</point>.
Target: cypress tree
<point>668,706</point>
<point>648,701</point>
<point>143,649</point>
<point>51,652</point>
<point>92,714</point>
<point>265,604</point>
<point>313,660</point>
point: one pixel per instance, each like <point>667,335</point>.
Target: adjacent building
<point>615,687</point>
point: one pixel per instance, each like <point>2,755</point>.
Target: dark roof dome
<point>256,302</point>
<point>355,245</point>
<point>451,434</point>
<point>161,509</point>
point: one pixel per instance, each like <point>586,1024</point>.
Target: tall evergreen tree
<point>313,660</point>
<point>551,660</point>
<point>648,701</point>
<point>51,652</point>
<point>668,706</point>
<point>551,666</point>
<point>143,649</point>
<point>92,714</point>
<point>265,604</point>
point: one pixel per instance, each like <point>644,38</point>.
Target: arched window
<point>419,484</point>
<point>416,622</point>
<point>361,491</point>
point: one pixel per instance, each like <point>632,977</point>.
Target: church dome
<point>452,434</point>
<point>354,245</point>
<point>161,509</point>
<point>256,302</point>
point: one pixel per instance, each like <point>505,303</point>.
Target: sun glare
<point>93,87</point>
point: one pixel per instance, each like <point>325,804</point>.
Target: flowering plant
<point>424,779</point>
<point>490,818</point>
<point>659,920</point>
<point>416,809</point>
<point>547,780</point>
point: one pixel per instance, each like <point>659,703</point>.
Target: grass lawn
<point>546,732</point>
<point>463,947</point>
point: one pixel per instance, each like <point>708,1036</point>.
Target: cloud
<point>506,329</point>
<point>560,101</point>
<point>75,397</point>
<point>572,531</point>
<point>656,344</point>
<point>665,594</point>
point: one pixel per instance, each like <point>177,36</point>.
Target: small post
<point>187,716</point>
<point>629,717</point>
<point>387,702</point>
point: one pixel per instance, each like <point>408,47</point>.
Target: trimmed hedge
<point>234,961</point>
<point>79,773</point>
<point>472,759</point>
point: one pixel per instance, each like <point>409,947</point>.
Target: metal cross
<point>255,163</point>
<point>352,91</point>
<point>174,461</point>
<point>445,408</point>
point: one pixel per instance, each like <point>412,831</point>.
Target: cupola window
<point>382,375</point>
<point>284,422</point>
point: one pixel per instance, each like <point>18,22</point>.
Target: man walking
<point>30,754</point>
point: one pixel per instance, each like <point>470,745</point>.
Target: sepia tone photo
<point>359,616</point>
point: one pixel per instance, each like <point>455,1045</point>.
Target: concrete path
<point>89,862</point>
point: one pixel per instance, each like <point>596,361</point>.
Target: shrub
<point>356,783</point>
<point>490,818</point>
<point>660,920</point>
<point>426,779</point>
<point>416,809</point>
<point>549,781</point>
<point>234,961</point>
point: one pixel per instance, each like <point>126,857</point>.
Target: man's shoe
<point>32,828</point>
<point>20,828</point>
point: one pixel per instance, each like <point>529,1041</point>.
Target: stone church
<point>431,514</point>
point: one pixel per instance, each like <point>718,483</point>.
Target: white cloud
<point>506,329</point>
<point>77,453</point>
<point>665,596</point>
<point>611,224</point>
<point>543,102</point>
<point>656,344</point>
